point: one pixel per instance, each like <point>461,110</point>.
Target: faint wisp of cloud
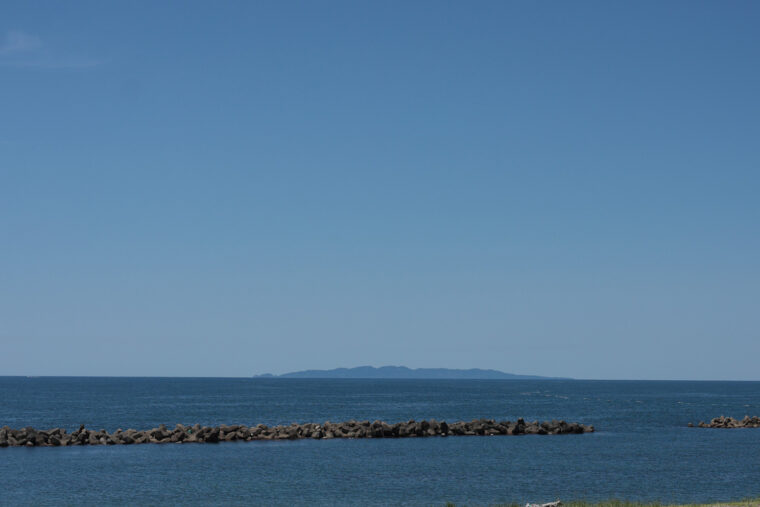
<point>20,49</point>
<point>18,43</point>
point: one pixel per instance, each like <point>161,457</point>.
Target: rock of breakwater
<point>350,429</point>
<point>730,422</point>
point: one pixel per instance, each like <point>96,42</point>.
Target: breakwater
<point>730,422</point>
<point>32,437</point>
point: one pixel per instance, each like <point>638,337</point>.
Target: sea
<point>642,449</point>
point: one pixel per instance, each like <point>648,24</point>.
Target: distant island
<point>402,372</point>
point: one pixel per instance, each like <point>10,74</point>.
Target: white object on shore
<point>558,503</point>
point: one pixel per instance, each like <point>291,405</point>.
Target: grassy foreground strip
<point>753,502</point>
<point>750,502</point>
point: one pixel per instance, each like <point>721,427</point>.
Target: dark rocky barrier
<point>730,422</point>
<point>31,437</point>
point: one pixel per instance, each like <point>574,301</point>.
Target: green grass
<point>751,502</point>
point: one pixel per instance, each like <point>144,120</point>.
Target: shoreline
<point>747,502</point>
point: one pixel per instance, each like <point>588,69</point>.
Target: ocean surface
<point>642,449</point>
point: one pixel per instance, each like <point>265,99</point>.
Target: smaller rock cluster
<point>31,437</point>
<point>730,422</point>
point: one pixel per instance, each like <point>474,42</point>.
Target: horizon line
<point>279,377</point>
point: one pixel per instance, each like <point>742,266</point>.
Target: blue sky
<point>232,188</point>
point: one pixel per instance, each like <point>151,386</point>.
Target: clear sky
<point>232,188</point>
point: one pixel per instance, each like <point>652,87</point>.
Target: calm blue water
<point>642,449</point>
